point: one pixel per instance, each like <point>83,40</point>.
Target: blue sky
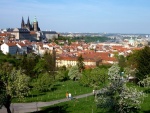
<point>111,16</point>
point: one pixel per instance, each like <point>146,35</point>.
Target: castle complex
<point>30,26</point>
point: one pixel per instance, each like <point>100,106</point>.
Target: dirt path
<point>35,106</point>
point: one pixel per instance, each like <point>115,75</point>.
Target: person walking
<point>70,97</point>
<point>94,92</point>
<point>67,94</point>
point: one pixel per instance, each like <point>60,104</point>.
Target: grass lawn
<point>59,92</point>
<point>87,105</point>
<point>84,105</point>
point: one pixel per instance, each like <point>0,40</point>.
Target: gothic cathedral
<point>31,27</point>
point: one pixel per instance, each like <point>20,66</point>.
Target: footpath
<point>35,106</point>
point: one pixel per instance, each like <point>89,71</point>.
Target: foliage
<point>15,84</point>
<point>122,62</point>
<point>145,82</point>
<point>94,77</point>
<point>74,73</point>
<point>44,82</point>
<point>141,61</point>
<point>2,94</point>
<point>50,63</point>
<point>40,66</point>
<point>117,96</point>
<point>86,78</point>
<point>80,63</point>
<point>62,75</point>
<point>98,77</point>
<point>114,72</point>
<point>18,84</point>
<point>28,64</point>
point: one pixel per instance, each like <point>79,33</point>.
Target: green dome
<point>35,19</point>
<point>131,41</point>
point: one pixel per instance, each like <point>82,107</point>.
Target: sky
<point>109,16</point>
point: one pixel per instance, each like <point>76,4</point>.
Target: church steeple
<point>28,24</point>
<point>22,23</point>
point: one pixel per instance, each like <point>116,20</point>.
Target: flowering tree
<point>74,73</point>
<point>145,82</point>
<point>14,83</point>
<point>117,96</point>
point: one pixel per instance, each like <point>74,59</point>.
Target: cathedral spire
<point>28,21</point>
<point>22,23</point>
<point>28,24</point>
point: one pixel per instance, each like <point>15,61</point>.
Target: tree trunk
<point>8,109</point>
<point>7,103</point>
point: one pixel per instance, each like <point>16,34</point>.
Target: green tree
<point>28,64</point>
<point>62,74</point>
<point>44,82</point>
<point>117,97</point>
<point>50,63</point>
<point>141,61</point>
<point>94,77</point>
<point>122,62</point>
<point>145,82</point>
<point>40,67</point>
<point>74,73</point>
<point>15,85</point>
<point>80,63</point>
<point>98,76</point>
<point>85,79</point>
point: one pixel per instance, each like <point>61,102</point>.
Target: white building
<point>10,48</point>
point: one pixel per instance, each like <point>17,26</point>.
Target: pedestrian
<point>66,94</point>
<point>94,92</point>
<point>70,97</point>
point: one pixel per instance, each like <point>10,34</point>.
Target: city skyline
<point>112,16</point>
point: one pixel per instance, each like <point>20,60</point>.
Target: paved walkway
<point>35,106</point>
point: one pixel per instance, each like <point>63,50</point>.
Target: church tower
<point>28,24</point>
<point>35,24</point>
<point>22,23</point>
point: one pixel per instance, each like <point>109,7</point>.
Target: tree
<point>94,77</point>
<point>28,64</point>
<point>40,67</point>
<point>44,82</point>
<point>145,82</point>
<point>80,63</point>
<point>85,79</point>
<point>141,61</point>
<point>117,96</point>
<point>74,73</point>
<point>15,85</point>
<point>62,74</point>
<point>50,62</point>
<point>121,62</point>
<point>98,76</point>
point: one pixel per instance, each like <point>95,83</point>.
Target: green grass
<point>87,105</point>
<point>84,105</point>
<point>59,92</point>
